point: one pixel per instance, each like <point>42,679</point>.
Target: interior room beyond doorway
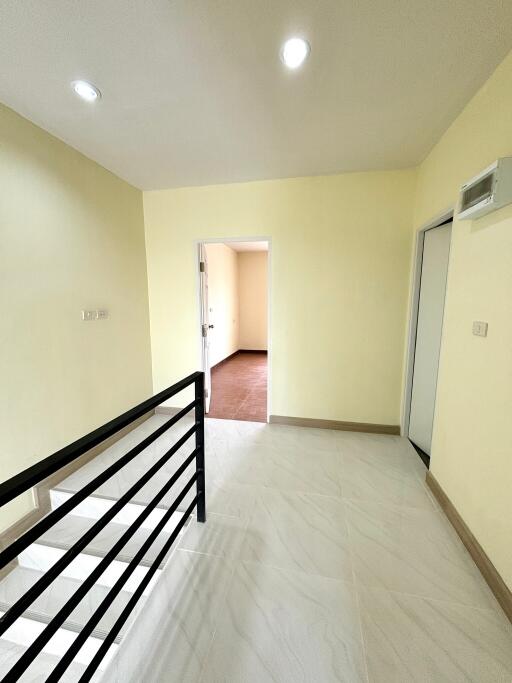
<point>235,322</point>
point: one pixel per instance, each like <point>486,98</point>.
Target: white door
<point>434,269</point>
<point>203,293</point>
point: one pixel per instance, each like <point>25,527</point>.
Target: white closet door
<point>434,270</point>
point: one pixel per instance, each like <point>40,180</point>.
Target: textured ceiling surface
<point>194,92</point>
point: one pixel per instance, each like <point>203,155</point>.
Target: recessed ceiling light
<point>87,91</point>
<point>294,52</point>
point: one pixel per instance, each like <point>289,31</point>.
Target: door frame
<point>413,313</point>
<point>227,240</point>
<point>204,323</point>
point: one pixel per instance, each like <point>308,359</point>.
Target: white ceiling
<point>248,246</point>
<point>194,92</point>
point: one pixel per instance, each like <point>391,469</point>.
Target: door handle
<point>211,327</point>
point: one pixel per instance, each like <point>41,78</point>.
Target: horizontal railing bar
<point>49,631</point>
<point>59,513</point>
<point>28,656</point>
<point>118,625</point>
<point>25,480</point>
<point>16,610</point>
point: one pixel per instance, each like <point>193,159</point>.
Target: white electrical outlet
<point>480,328</point>
<point>89,315</point>
<point>102,314</point>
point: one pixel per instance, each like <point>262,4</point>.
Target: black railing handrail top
<point>13,487</point>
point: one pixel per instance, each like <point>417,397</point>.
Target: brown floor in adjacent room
<point>239,388</point>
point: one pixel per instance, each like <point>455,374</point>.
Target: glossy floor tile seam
<point>396,506</point>
<point>380,484</point>
<point>224,600</point>
<point>313,575</point>
<point>301,492</point>
<point>299,578</point>
<point>222,608</point>
<point>414,640</point>
<point>285,652</point>
<point>204,666</point>
<point>437,515</point>
<point>358,598</point>
<point>169,641</point>
<point>203,528</point>
<point>402,463</point>
<point>360,586</point>
<point>399,559</point>
<point>341,497</point>
<point>299,532</point>
<point>272,471</point>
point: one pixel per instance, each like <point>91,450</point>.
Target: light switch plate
<point>88,315</point>
<point>480,328</point>
<point>102,314</point>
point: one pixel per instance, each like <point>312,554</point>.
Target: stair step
<point>131,473</point>
<point>24,632</point>
<point>41,667</point>
<point>44,608</point>
<point>119,483</point>
<point>43,557</point>
<point>94,507</point>
<point>69,530</point>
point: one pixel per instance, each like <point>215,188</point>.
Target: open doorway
<point>234,327</point>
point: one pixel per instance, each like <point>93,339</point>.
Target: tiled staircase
<point>10,652</point>
<point>52,545</point>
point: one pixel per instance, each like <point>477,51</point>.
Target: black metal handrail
<point>34,475</point>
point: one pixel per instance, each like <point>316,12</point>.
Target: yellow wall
<point>72,237</point>
<point>253,293</point>
<point>340,266</point>
<point>472,441</point>
<point>222,301</point>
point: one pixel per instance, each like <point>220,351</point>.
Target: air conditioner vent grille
<point>489,190</point>
<point>479,192</point>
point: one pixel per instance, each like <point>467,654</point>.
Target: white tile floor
<point>324,558</point>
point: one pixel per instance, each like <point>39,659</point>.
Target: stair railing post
<point>199,415</point>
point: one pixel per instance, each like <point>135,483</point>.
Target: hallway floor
<point>239,388</point>
<point>324,558</point>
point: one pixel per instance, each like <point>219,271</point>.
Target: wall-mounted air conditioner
<point>489,190</point>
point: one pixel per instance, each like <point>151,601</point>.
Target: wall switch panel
<point>480,328</point>
<point>100,314</point>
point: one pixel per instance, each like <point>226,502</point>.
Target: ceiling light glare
<point>294,52</point>
<point>87,91</point>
